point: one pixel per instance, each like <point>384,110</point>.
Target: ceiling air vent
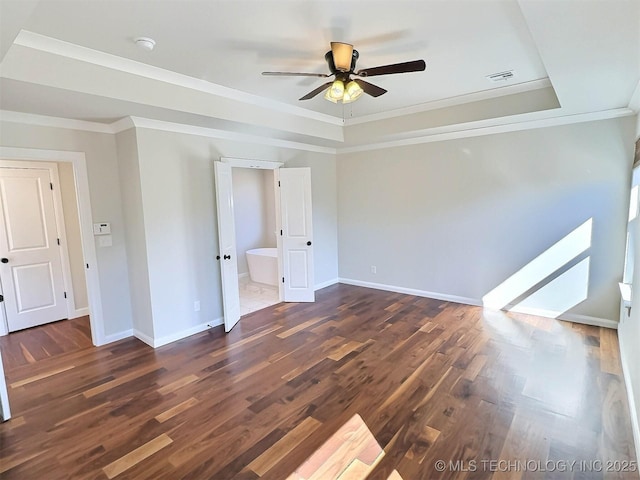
<point>501,76</point>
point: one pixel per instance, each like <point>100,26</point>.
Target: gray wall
<point>460,217</point>
<point>106,205</point>
<point>180,226</point>
<point>129,171</point>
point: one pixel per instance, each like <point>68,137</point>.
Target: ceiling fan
<point>342,60</point>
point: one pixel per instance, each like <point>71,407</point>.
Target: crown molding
<point>453,101</point>
<point>514,123</point>
<point>479,128</point>
<point>56,122</point>
<point>226,135</point>
<point>43,43</point>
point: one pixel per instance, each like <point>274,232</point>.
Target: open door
<point>5,412</point>
<point>297,235</point>
<point>227,241</point>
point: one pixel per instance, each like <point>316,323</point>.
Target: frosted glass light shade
<point>336,90</point>
<point>352,92</point>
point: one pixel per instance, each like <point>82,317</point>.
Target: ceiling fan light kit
<point>341,60</point>
<point>348,93</point>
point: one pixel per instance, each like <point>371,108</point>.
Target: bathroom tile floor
<point>256,296</point>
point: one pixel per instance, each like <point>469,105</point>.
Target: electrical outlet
<point>196,306</point>
<point>374,269</point>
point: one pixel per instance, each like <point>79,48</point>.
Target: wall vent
<point>501,76</point>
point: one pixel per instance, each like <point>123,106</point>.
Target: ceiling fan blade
<point>404,67</point>
<point>370,88</point>
<point>295,74</point>
<point>315,92</point>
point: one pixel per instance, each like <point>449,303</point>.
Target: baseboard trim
<point>587,320</point>
<point>243,275</point>
<point>328,283</point>
<point>631,397</point>
<point>413,291</point>
<point>114,337</point>
<point>174,337</point>
<point>79,312</point>
<point>143,337</point>
<point>570,317</point>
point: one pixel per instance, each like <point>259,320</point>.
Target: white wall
<point>458,218</point>
<point>72,231</point>
<point>252,199</point>
<point>177,187</point>
<point>104,185</point>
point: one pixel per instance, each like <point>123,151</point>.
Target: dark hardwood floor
<point>35,344</point>
<point>368,383</point>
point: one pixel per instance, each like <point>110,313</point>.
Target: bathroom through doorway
<point>254,200</point>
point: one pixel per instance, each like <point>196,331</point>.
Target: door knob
<point>309,243</point>
<point>217,257</point>
<point>227,257</point>
<point>5,260</point>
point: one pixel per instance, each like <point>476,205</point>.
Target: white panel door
<point>31,266</point>
<point>227,240</point>
<point>297,234</point>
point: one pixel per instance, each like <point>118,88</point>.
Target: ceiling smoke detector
<point>501,76</point>
<point>145,43</point>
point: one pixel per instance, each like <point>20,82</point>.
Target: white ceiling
<point>589,51</point>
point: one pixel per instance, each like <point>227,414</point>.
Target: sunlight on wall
<point>542,267</point>
<point>560,294</point>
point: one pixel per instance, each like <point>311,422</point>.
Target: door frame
<point>85,217</point>
<point>54,178</point>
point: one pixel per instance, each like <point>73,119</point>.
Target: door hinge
<point>65,294</point>
<point>58,241</point>
<point>1,298</point>
<point>280,232</point>
<point>278,182</point>
<point>87,265</point>
<point>282,279</point>
<point>51,185</point>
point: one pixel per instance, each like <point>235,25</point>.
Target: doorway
<point>294,233</point>
<point>78,164</point>
<point>38,222</point>
<point>256,240</point>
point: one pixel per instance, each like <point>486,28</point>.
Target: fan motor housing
<point>332,66</point>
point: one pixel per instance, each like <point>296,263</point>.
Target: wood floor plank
<point>40,376</point>
<point>172,412</point>
<point>280,449</point>
<point>129,460</point>
<point>429,380</point>
<point>92,392</point>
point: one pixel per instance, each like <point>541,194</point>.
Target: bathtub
<point>263,265</point>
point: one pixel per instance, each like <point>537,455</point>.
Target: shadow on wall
<point>553,282</point>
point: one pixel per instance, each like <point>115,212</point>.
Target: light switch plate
<point>102,228</point>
